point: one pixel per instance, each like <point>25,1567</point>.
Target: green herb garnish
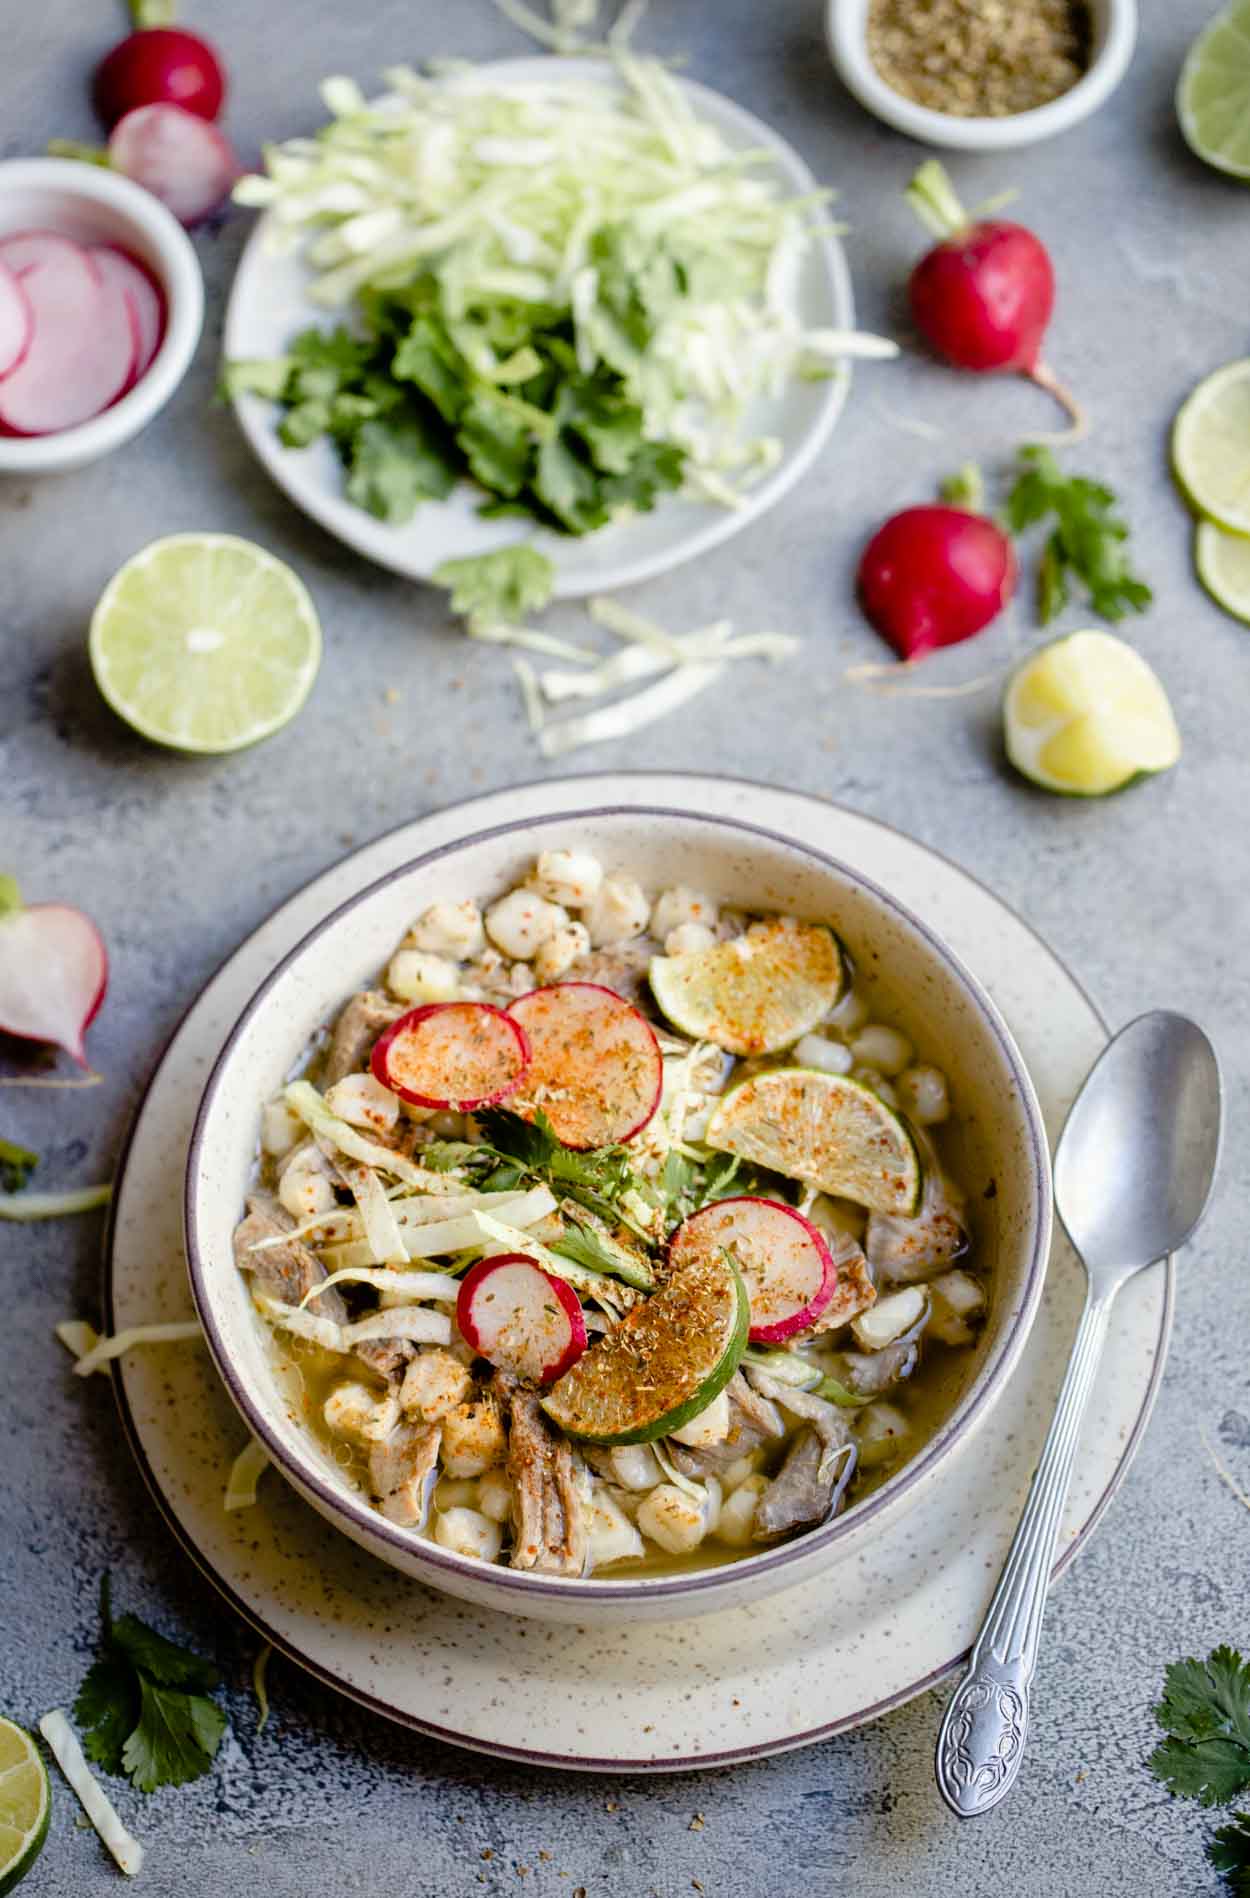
<point>1085,544</point>
<point>505,585</point>
<point>144,1705</point>
<point>1205,1713</point>
<point>16,1166</point>
<point>1229,1852</point>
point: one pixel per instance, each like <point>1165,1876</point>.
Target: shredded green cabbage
<point>245,1473</point>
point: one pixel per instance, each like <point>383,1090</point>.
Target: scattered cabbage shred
<point>68,1755</point>
<point>245,1473</point>
<point>677,255</point>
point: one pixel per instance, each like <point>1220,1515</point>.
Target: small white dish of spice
<point>981,75</point>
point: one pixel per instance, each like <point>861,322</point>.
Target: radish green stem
<point>965,488</point>
<point>10,895</point>
<point>75,148</point>
<point>1045,378</point>
<point>933,198</point>
<point>152,13</point>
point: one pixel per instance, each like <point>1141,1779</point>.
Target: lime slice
<point>662,1364</point>
<point>205,642</point>
<point>1086,715</point>
<point>1211,447</point>
<point>1223,562</point>
<point>826,1130</point>
<point>25,1802</point>
<point>1213,96</point>
<point>756,994</point>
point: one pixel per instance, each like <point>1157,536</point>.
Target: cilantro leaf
<point>1229,1853</point>
<point>340,356</point>
<point>506,584</point>
<point>16,1166</point>
<point>581,1243</point>
<point>497,443</point>
<point>532,1142</point>
<point>1086,542</point>
<point>255,376</point>
<point>428,357</point>
<point>1205,1711</point>
<point>161,1660</point>
<point>396,462</point>
<point>175,1740</point>
<point>107,1708</point>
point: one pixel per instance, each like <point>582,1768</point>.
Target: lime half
<point>1086,715</point>
<point>205,643</point>
<point>1213,97</point>
<point>1223,563</point>
<point>1211,447</point>
<point>25,1803</point>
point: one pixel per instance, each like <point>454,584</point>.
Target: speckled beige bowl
<point>1001,1159</point>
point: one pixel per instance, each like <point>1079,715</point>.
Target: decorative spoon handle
<point>981,1742</point>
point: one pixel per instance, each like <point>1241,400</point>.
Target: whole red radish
<point>932,576</point>
<point>982,298</point>
<point>53,971</point>
<point>159,65</point>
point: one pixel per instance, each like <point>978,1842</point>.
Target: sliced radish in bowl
<point>145,299</point>
<point>17,321</point>
<point>83,345</point>
<point>461,1055</point>
<point>520,1318</point>
<point>595,1065</point>
<point>23,250</point>
<point>785,1262</point>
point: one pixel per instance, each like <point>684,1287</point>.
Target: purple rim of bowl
<point>984,1387</point>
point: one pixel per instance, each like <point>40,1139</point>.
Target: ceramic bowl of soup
<point>509,1473</point>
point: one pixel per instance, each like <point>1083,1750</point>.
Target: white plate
<point>821,1657</point>
<point>268,306</point>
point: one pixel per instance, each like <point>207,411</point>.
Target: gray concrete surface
<point>1145,895</point>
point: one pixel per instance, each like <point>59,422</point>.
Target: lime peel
<point>1211,447</point>
<point>25,1803</point>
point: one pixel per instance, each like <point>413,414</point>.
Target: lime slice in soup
<point>825,1129</point>
<point>25,1802</point>
<point>663,1364</point>
<point>757,993</point>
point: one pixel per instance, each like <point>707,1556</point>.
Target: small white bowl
<point>95,206</point>
<point>1002,1155</point>
<point>1114,35</point>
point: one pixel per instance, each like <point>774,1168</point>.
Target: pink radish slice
<point>53,974</point>
<point>452,1054</point>
<point>180,158</point>
<point>23,250</point>
<point>146,300</point>
<point>520,1318</point>
<point>17,322</point>
<point>595,1066</point>
<point>785,1263</point>
<point>82,348</point>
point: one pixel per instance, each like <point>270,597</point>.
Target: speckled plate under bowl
<point>909,975</point>
<point>859,1637</point>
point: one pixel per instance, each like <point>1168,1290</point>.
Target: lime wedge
<point>1213,96</point>
<point>1223,563</point>
<point>825,1130</point>
<point>757,993</point>
<point>662,1364</point>
<point>25,1803</point>
<point>1211,447</point>
<point>205,643</point>
<point>1086,715</point>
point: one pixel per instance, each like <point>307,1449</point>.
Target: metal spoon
<point>1133,1175</point>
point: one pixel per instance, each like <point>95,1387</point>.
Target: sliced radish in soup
<point>784,1261</point>
<point>17,322</point>
<point>520,1318</point>
<point>452,1054</point>
<point>595,1065</point>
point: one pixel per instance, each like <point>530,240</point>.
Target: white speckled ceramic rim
<point>708,1583</point>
